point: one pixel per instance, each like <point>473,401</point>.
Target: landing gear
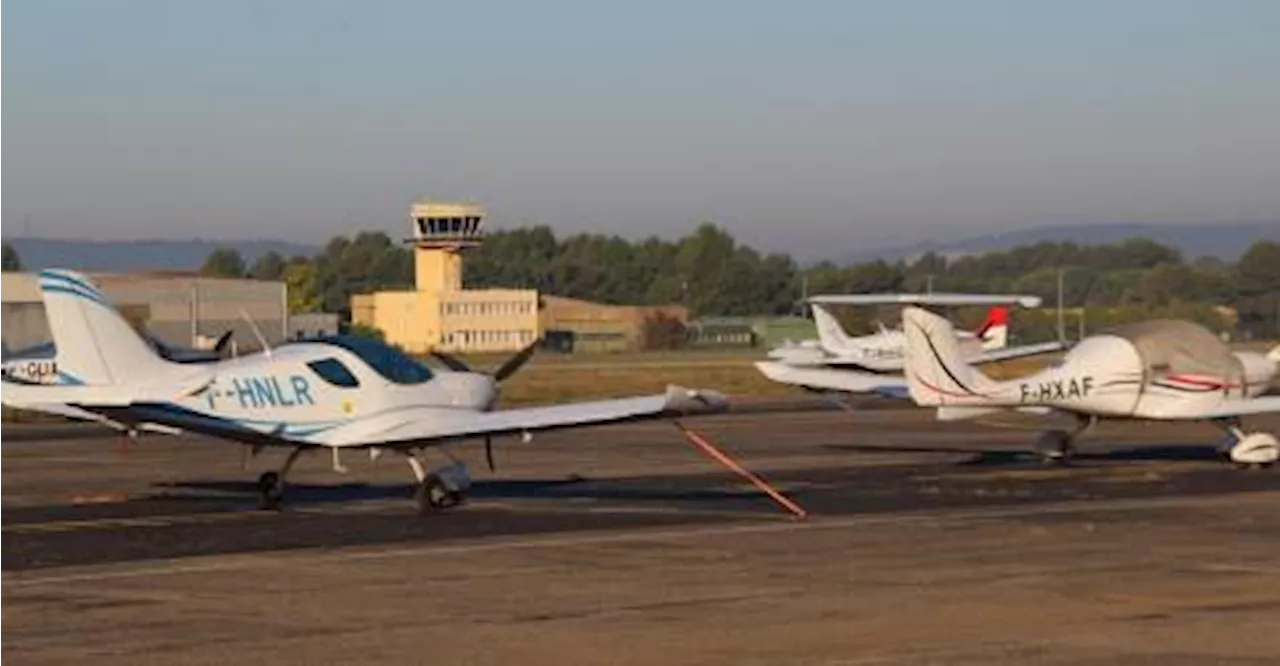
<point>1057,447</point>
<point>271,484</point>
<point>1251,450</point>
<point>441,488</point>
<point>270,490</point>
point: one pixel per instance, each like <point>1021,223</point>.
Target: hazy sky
<point>805,126</point>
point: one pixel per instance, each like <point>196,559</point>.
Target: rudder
<point>830,333</point>
<point>936,372</point>
<point>95,344</point>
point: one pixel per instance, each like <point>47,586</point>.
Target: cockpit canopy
<point>391,363</point>
<point>1175,347</point>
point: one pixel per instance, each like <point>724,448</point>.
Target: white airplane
<point>1157,370</point>
<point>332,394</point>
<point>873,363</point>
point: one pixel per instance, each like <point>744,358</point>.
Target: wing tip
<point>694,401</point>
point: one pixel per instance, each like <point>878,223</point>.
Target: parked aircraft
<point>880,351</point>
<point>1157,370</point>
<point>873,363</point>
<point>329,394</point>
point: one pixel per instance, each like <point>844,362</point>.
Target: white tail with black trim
<point>936,371</point>
<point>830,333</point>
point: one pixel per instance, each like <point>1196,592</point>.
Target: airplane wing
<point>828,379</point>
<point>1019,352</point>
<point>936,298</point>
<point>1269,404</point>
<point>407,428</point>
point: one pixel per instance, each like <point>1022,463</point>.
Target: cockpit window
<point>386,360</point>
<point>333,371</point>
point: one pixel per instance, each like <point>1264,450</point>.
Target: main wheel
<point>270,490</point>
<point>433,495</point>
<point>1054,447</point>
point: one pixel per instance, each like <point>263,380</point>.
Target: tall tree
<point>223,262</point>
<point>11,260</point>
<point>1259,285</point>
<point>269,266</point>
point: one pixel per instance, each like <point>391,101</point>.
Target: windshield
<point>386,360</point>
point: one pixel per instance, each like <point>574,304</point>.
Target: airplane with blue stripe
<point>335,393</point>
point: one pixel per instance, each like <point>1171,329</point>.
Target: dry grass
<point>550,378</point>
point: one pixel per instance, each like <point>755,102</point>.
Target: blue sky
<point>809,127</point>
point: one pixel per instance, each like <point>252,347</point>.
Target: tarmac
<point>926,543</point>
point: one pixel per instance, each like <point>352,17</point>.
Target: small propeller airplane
<point>1165,370</point>
<point>873,363</point>
<point>332,394</point>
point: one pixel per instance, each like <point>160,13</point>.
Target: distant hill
<point>124,256</point>
<point>1225,240</point>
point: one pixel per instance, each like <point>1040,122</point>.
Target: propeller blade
<point>515,362</point>
<point>222,342</point>
<point>452,362</point>
<point>488,452</point>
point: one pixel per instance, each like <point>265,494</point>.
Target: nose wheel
<point>1252,450</point>
<point>271,484</point>
<point>433,494</point>
<point>441,488</point>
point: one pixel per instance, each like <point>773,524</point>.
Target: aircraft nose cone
<point>474,390</point>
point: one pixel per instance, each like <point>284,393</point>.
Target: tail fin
<point>995,329</point>
<point>830,333</point>
<point>95,344</point>
<point>936,371</point>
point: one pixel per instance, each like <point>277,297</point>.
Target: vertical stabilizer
<point>832,336</point>
<point>95,344</point>
<point>994,332</point>
<point>936,372</point>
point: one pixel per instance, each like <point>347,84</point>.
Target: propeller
<point>223,341</point>
<point>515,362</point>
<point>508,367</point>
<point>452,362</point>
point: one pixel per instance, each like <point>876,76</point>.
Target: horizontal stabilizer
<point>953,413</point>
<point>935,299</point>
<point>1021,351</point>
<point>829,379</point>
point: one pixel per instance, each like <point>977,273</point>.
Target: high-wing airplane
<point>1163,370</point>
<point>873,363</point>
<point>329,394</point>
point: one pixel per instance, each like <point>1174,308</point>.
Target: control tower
<point>441,232</point>
<point>439,313</point>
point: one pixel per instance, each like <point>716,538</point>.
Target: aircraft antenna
<point>257,332</point>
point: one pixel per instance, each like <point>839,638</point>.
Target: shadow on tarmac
<point>1005,456</point>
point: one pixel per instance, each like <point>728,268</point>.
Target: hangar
<point>180,308</point>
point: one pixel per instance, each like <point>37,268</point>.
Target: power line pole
<point>1062,322</point>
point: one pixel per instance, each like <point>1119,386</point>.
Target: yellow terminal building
<point>439,313</point>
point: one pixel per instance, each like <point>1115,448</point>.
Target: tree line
<point>713,274</point>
